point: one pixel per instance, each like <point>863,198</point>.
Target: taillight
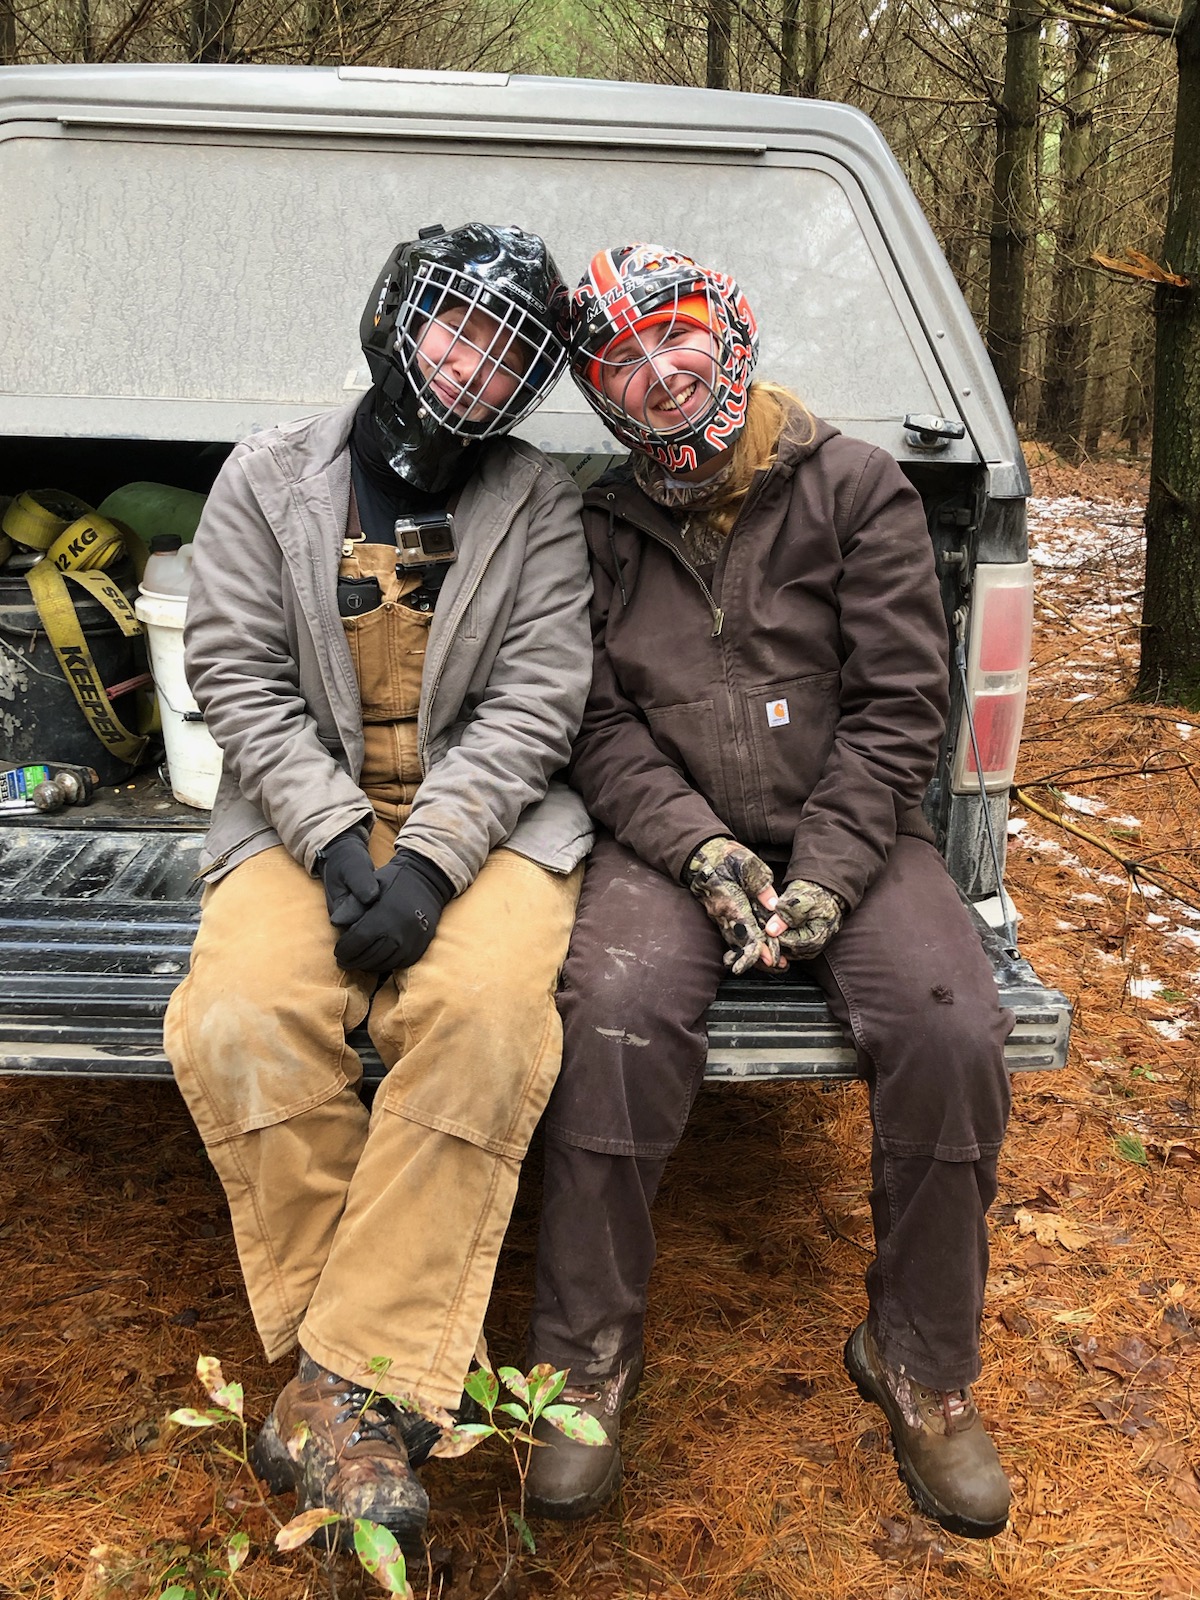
<point>997,676</point>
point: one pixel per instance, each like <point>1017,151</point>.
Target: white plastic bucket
<point>193,759</point>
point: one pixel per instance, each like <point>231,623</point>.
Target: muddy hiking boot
<point>341,1446</point>
<point>568,1480</point>
<point>942,1449</point>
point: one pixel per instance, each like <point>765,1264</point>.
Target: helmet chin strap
<point>427,461</point>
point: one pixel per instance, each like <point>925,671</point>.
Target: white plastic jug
<point>193,759</point>
<point>168,566</point>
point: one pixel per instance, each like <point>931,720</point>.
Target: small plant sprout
<point>534,1398</point>
<point>535,1394</point>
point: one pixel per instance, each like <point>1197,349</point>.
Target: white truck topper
<point>186,247</point>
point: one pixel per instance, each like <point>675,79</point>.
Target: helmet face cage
<point>450,277</point>
<point>490,336</point>
<point>626,293</point>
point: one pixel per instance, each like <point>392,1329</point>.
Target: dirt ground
<point>753,1469</point>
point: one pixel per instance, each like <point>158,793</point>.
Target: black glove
<point>349,877</point>
<point>397,929</point>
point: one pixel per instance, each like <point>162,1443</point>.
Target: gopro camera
<point>425,539</point>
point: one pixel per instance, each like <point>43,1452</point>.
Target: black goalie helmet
<point>464,334</point>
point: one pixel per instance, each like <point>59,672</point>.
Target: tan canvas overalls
<point>373,1238</point>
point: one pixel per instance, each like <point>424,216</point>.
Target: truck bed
<point>99,906</point>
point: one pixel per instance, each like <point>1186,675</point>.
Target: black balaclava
<point>447,277</point>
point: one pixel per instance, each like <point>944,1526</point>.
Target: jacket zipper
<point>718,614</point>
<point>222,859</point>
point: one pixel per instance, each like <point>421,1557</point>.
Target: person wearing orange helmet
<point>769,691</point>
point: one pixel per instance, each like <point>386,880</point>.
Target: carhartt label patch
<point>777,714</point>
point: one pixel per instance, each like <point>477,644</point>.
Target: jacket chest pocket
<point>792,725</point>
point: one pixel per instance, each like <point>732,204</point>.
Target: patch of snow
<point>1184,730</point>
<point>1016,825</point>
<point>1081,802</point>
<point>1144,988</point>
<point>1170,1030</point>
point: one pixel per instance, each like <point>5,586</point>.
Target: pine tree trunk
<point>1069,335</point>
<point>1170,666</point>
<point>8,34</point>
<point>789,48</point>
<point>1139,382</point>
<point>1013,197</point>
<point>720,24</point>
<point>212,29</point>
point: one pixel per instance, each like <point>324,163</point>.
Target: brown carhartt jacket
<point>797,704</point>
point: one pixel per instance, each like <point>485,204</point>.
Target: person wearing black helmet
<point>387,635</point>
<point>769,691</point>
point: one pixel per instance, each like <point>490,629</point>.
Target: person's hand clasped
<point>398,927</point>
<point>806,918</point>
<point>348,874</point>
<point>730,882</point>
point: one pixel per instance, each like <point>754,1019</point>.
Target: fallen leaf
<point>1170,1462</point>
<point>1016,1321</point>
<point>1131,1414</point>
<point>1050,1228</point>
<point>908,1540</point>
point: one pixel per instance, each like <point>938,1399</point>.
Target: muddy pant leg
<point>643,968</point>
<point>473,1043</point>
<point>256,1035</point>
<point>908,976</point>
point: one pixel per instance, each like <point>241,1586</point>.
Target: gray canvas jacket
<point>506,670</point>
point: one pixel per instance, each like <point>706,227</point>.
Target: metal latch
<point>926,432</point>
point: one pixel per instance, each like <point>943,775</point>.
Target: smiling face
<point>662,374</point>
<point>472,362</point>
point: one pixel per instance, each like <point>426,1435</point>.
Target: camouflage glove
<point>812,916</point>
<point>730,882</point>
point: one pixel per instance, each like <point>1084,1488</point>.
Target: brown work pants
<point>906,976</point>
<point>372,1239</point>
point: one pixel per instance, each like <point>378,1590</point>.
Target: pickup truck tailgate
<point>96,923</point>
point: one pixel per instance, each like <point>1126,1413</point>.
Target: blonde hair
<point>769,410</point>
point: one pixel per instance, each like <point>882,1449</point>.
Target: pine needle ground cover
<point>753,1469</point>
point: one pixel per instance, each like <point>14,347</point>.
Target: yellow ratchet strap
<point>77,544</point>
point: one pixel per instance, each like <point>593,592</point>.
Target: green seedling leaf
<point>516,1381</point>
<point>379,1366</point>
<point>236,1551</point>
<point>208,1370</point>
<point>457,1441</point>
<point>1130,1148</point>
<point>576,1424</point>
<point>301,1434</point>
<point>301,1529</point>
<point>522,1527</point>
<point>544,1386</point>
<point>177,1592</point>
<point>383,1558</point>
<point>512,1410</point>
<point>186,1417</point>
<point>484,1387</point>
<point>229,1398</point>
